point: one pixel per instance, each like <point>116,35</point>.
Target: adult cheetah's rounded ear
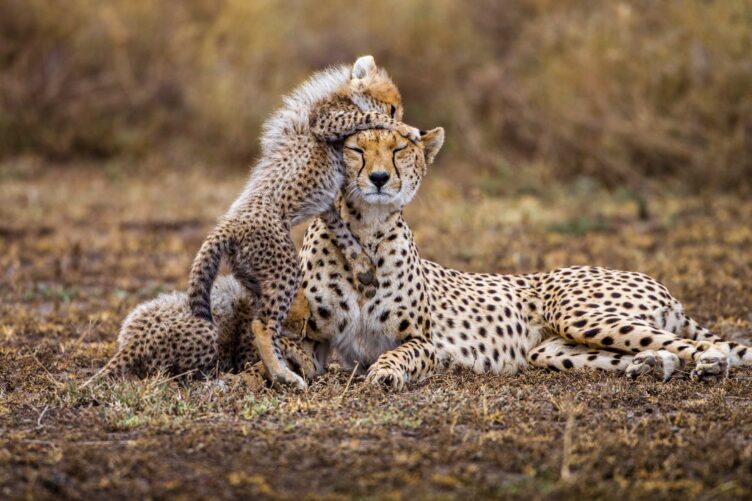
<point>432,140</point>
<point>364,66</point>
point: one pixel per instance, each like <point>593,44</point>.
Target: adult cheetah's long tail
<point>204,271</point>
<point>117,365</point>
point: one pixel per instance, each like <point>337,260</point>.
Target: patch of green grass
<point>49,292</point>
<point>254,408</point>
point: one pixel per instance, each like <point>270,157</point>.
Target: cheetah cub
<point>163,335</point>
<point>298,176</point>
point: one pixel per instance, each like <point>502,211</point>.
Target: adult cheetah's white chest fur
<point>362,328</point>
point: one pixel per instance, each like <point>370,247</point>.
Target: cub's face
<point>371,89</point>
<point>384,168</point>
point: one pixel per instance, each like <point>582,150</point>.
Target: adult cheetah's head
<point>384,168</point>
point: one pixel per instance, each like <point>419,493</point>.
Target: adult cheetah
<point>424,315</point>
<point>298,175</point>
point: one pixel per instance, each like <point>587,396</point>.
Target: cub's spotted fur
<point>163,335</point>
<point>298,176</point>
<point>423,313</point>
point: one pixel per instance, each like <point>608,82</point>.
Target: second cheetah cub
<point>298,176</point>
<point>163,335</point>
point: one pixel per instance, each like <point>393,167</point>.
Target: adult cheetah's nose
<point>379,178</point>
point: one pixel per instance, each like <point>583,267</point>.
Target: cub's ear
<point>364,66</point>
<point>432,140</point>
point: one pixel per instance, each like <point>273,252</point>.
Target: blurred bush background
<point>531,91</point>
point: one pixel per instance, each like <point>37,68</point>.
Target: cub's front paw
<point>365,277</point>
<point>385,375</point>
<point>408,132</point>
<point>363,269</point>
<point>712,366</point>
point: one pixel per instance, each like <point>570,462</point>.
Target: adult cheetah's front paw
<point>712,366</point>
<point>385,375</point>
<point>661,363</point>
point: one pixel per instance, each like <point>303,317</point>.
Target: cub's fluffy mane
<point>294,115</point>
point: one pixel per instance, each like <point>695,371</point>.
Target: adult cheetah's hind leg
<point>296,354</point>
<point>633,335</point>
<point>711,364</point>
<point>301,359</point>
<point>560,355</point>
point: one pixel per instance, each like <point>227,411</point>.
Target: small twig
<point>347,386</point>
<point>41,416</point>
<point>484,408</point>
<point>86,332</point>
<point>566,473</point>
<point>167,380</point>
<point>485,404</point>
<point>455,418</point>
<point>39,442</point>
<point>49,374</point>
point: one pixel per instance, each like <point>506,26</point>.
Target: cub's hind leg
<point>266,337</point>
<point>276,274</point>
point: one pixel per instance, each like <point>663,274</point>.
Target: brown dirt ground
<point>80,247</point>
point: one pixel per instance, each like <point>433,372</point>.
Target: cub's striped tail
<point>204,271</point>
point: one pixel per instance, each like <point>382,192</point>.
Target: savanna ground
<point>80,246</point>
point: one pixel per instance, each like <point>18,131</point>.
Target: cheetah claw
<point>386,376</point>
<point>298,357</point>
<point>712,366</point>
<point>409,132</point>
<point>662,363</point>
<point>289,379</point>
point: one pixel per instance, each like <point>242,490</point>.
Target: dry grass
<point>81,246</point>
<point>619,92</point>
